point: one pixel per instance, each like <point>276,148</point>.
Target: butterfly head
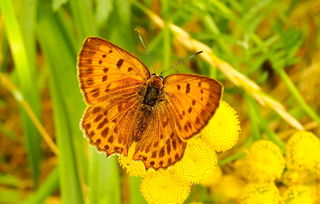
<point>156,81</point>
<point>154,75</point>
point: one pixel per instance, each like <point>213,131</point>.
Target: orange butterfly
<point>128,105</point>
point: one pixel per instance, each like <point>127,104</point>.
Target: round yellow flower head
<point>213,178</point>
<point>229,187</point>
<point>317,192</point>
<point>317,171</point>
<point>240,167</point>
<point>294,177</point>
<point>198,161</point>
<point>223,128</point>
<point>299,194</point>
<point>264,162</point>
<point>262,193</point>
<point>133,168</point>
<point>164,186</point>
<point>303,151</point>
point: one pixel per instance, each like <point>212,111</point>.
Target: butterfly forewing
<point>104,69</point>
<point>193,100</point>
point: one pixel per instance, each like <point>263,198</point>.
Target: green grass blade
<point>83,17</point>
<point>166,47</point>
<point>295,93</point>
<point>135,194</point>
<point>104,179</point>
<point>47,188</point>
<point>9,196</point>
<point>56,4</point>
<point>26,82</point>
<point>67,102</point>
<point>103,11</point>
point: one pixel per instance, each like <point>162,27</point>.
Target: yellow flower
<point>240,167</point>
<point>263,162</point>
<point>223,129</point>
<point>198,161</point>
<point>133,168</point>
<point>303,151</point>
<point>164,186</point>
<point>295,176</point>
<point>317,171</point>
<point>229,187</point>
<point>317,192</point>
<point>213,178</point>
<point>299,194</point>
<point>262,193</point>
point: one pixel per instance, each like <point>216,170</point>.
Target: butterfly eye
<point>154,74</point>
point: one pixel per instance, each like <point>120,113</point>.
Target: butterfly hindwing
<point>109,125</point>
<point>193,99</point>
<point>160,145</point>
<point>104,69</point>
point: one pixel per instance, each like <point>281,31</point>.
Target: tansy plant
<point>198,165</point>
<point>266,175</point>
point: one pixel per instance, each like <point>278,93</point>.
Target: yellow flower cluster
<point>198,165</point>
<point>164,186</point>
<point>213,178</point>
<point>262,193</point>
<point>198,161</point>
<point>266,175</point>
<point>299,194</point>
<point>229,188</point>
<point>223,129</point>
<point>303,151</point>
<point>133,167</point>
<point>296,177</point>
<point>264,162</point>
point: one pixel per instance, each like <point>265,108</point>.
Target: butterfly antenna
<point>145,49</point>
<point>181,62</point>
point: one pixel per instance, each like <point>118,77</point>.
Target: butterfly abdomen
<point>144,114</point>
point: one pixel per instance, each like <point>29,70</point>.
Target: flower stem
<point>231,158</point>
<point>308,110</point>
<point>254,110</point>
<point>254,120</point>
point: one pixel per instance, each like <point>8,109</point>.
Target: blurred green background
<point>274,43</point>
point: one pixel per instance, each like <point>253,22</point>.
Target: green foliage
<point>23,55</point>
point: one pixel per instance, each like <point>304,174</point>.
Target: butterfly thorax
<point>153,93</point>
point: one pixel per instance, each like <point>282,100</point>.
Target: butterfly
<point>127,105</point>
